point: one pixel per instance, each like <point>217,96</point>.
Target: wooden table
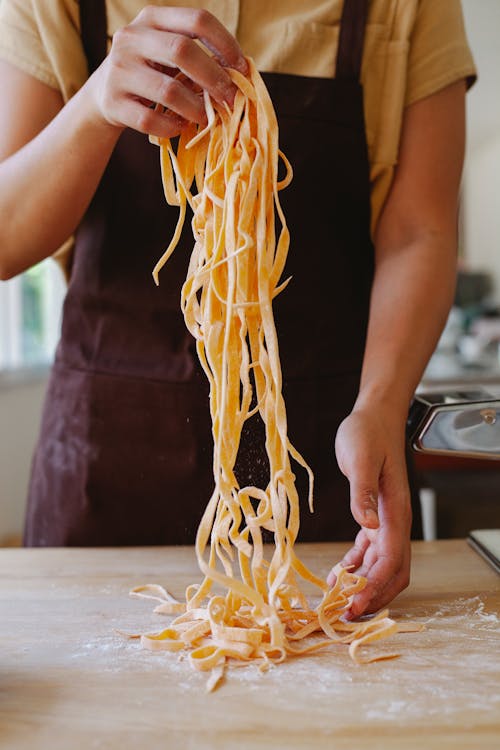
<point>68,681</point>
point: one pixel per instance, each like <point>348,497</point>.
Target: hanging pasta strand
<point>228,173</point>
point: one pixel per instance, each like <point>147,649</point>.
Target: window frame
<point>12,356</point>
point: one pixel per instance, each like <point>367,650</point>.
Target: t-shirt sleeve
<point>20,41</point>
<point>439,52</point>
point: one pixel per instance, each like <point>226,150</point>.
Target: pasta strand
<point>233,277</point>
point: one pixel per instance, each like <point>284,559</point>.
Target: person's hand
<point>145,58</point>
<point>370,452</point>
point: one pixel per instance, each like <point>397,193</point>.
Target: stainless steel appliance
<point>456,423</point>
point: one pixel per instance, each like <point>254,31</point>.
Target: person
<point>124,455</point>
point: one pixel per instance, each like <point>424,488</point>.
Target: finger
<point>172,51</point>
<point>135,115</point>
<point>162,89</point>
<point>386,579</point>
<point>352,559</point>
<point>370,557</point>
<point>197,23</point>
<point>354,556</point>
<point>386,563</point>
<point>166,69</point>
<point>175,50</point>
<point>368,602</point>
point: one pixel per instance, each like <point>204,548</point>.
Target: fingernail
<point>227,93</point>
<point>331,578</point>
<point>230,96</point>
<point>242,66</point>
<point>371,518</point>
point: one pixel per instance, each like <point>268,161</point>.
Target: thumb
<point>361,462</point>
<point>364,501</point>
<point>363,476</point>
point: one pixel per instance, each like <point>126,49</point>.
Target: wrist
<point>386,399</point>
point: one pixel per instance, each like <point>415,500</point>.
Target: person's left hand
<point>370,448</point>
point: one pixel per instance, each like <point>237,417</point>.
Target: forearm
<point>415,262</point>
<point>46,186</point>
<point>415,253</point>
<point>412,293</point>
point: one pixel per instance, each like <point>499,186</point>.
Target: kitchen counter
<point>69,681</point>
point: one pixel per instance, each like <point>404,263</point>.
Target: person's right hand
<point>146,56</point>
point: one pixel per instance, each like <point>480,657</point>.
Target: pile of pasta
<point>227,172</point>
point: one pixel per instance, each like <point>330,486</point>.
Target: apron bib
<point>125,449</point>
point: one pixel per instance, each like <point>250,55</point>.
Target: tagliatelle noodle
<point>233,276</point>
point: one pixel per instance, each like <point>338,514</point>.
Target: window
<point>30,314</point>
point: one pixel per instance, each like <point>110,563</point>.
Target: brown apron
<point>125,450</point>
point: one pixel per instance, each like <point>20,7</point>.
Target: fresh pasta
<point>227,172</point>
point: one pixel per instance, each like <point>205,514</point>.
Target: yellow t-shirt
<point>413,48</point>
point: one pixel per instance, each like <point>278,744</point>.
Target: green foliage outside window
<point>32,294</point>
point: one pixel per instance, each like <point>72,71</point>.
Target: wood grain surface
<point>67,680</point>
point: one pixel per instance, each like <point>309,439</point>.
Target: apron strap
<point>351,37</point>
<point>93,26</point>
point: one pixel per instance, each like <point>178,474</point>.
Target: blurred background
<point>465,491</point>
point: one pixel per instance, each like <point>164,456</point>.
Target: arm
<point>53,156</point>
<point>415,266</point>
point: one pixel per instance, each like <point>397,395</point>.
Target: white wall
<point>20,409</point>
<point>481,192</point>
